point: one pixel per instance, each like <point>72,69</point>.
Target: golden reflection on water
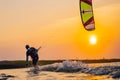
<point>23,74</point>
<point>105,64</point>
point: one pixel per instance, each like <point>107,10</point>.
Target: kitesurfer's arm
<point>27,58</point>
<point>39,48</point>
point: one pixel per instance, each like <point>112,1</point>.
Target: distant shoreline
<point>22,64</point>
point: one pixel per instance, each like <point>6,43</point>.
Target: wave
<point>65,66</point>
<point>78,66</point>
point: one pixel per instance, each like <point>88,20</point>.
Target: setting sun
<point>93,39</point>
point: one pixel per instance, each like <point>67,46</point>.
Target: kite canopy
<point>86,12</point>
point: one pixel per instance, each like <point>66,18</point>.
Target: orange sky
<point>56,26</point>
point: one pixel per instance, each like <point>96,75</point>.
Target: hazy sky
<point>56,26</point>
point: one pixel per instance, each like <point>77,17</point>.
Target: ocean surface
<point>67,70</point>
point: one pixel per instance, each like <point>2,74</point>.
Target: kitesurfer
<point>33,53</point>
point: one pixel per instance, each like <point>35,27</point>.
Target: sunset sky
<point>56,26</point>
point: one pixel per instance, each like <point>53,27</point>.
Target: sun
<point>93,39</point>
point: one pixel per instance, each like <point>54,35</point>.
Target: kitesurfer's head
<point>27,46</point>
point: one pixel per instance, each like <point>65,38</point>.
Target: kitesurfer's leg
<point>34,62</point>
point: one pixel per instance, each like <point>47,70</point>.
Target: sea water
<point>67,70</point>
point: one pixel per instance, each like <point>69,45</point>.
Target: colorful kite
<point>86,11</point>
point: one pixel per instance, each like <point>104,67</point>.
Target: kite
<point>87,17</point>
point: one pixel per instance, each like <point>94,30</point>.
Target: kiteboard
<point>34,71</point>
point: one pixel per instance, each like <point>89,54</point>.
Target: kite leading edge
<point>86,12</point>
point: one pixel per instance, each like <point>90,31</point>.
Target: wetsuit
<point>32,52</point>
